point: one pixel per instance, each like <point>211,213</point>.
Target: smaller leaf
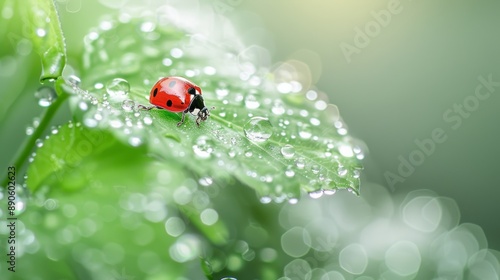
<point>62,153</point>
<point>47,37</point>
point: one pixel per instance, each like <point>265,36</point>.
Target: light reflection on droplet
<point>258,129</point>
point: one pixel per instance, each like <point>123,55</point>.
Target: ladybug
<point>177,94</point>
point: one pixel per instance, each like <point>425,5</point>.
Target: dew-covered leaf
<point>119,224</point>
<point>46,34</point>
<point>266,130</point>
<point>63,153</point>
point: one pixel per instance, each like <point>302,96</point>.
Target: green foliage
<point>278,144</point>
<point>122,190</point>
<point>47,37</point>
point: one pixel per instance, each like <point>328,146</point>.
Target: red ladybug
<point>176,94</point>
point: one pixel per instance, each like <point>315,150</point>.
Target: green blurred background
<point>394,91</point>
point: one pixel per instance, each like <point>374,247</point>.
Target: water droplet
<point>266,199</point>
<point>248,153</point>
<point>315,169</point>
<point>36,122</point>
<point>258,129</point>
<point>293,200</point>
<point>203,148</point>
<point>176,53</point>
<point>315,121</point>
<point>148,120</point>
<point>251,102</point>
<point>39,143</point>
<point>29,130</point>
<point>320,105</point>
<point>278,108</point>
<point>329,191</point>
<point>316,194</point>
<point>90,121</point>
<point>221,92</point>
<point>40,32</point>
<point>83,105</point>
<point>135,141</point>
<point>356,173</point>
<point>305,131</point>
<point>74,80</point>
<point>166,62</point>
<point>346,151</point>
<point>128,105</point>
<point>284,87</point>
<point>289,173</point>
<point>288,151</point>
<point>209,70</point>
<point>148,26</point>
<point>311,95</point>
<point>206,181</point>
<point>118,87</point>
<point>228,278</point>
<point>301,163</point>
<point>342,171</point>
<point>46,96</point>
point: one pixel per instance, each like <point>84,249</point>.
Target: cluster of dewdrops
<point>114,108</point>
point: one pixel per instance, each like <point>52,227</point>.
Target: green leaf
<point>114,226</point>
<point>62,154</point>
<point>47,37</point>
<point>277,138</point>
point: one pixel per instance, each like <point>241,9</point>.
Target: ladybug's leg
<point>183,117</point>
<point>198,120</point>
<point>142,107</point>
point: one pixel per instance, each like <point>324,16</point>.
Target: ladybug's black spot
<point>192,91</point>
<point>171,84</point>
<point>155,92</point>
<point>169,103</point>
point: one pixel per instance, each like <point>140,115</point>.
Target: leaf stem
<point>27,146</point>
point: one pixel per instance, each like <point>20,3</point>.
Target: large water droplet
<point>46,96</point>
<point>118,87</point>
<point>288,151</point>
<point>258,129</point>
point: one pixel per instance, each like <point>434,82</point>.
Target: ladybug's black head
<point>204,114</point>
